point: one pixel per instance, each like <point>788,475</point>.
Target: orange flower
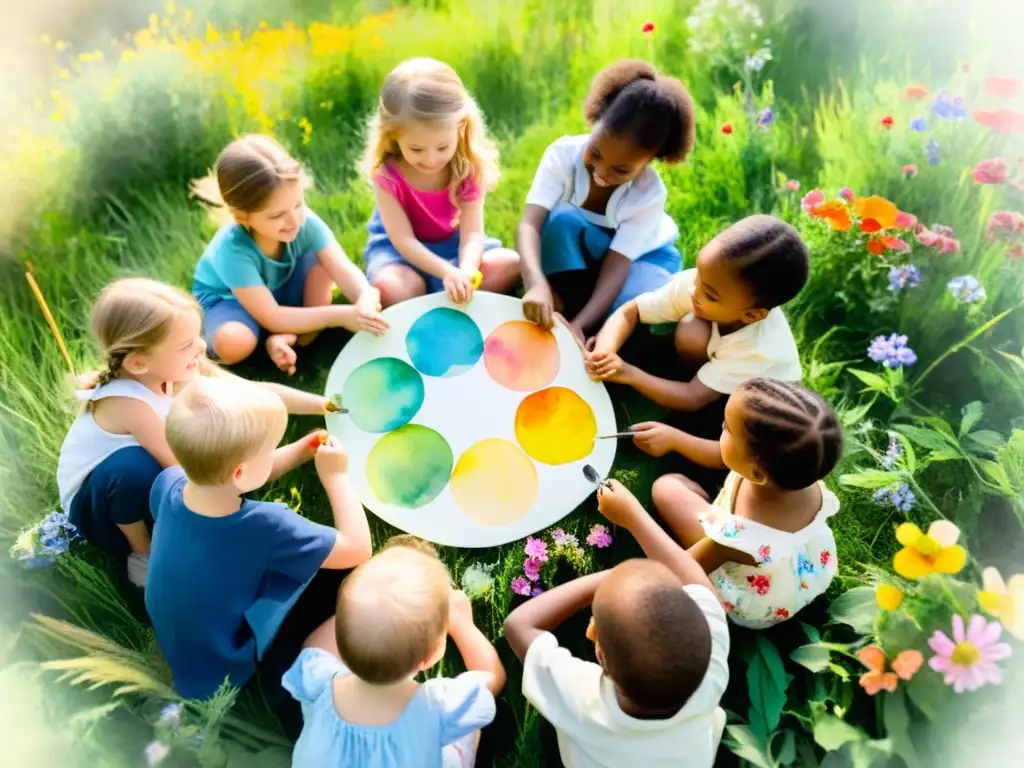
<point>1003,87</point>
<point>836,213</point>
<point>876,246</point>
<point>877,208</point>
<point>869,226</point>
<point>915,92</point>
<point>876,679</point>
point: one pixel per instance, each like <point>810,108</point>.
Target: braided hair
<point>793,434</point>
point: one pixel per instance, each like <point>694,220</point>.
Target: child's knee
<point>397,283</point>
<point>692,338</point>
<point>233,342</point>
<point>500,270</point>
<point>319,288</point>
<point>675,492</point>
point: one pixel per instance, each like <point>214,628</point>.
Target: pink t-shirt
<point>433,217</point>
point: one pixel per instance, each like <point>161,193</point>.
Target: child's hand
<point>368,316</point>
<point>458,284</point>
<point>314,440</point>
<point>331,459</point>
<point>618,504</point>
<point>460,611</point>
<point>87,380</point>
<point>539,305</point>
<point>654,438</point>
<point>604,366</point>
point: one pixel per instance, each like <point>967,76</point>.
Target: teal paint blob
<point>444,342</point>
<point>409,467</point>
<point>383,394</point>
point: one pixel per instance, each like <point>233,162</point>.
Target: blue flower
<point>966,289</point>
<point>932,151</point>
<point>919,125</point>
<point>899,496</point>
<point>949,108</point>
<point>892,352</point>
<point>767,117</point>
<point>906,276</point>
<point>803,564</point>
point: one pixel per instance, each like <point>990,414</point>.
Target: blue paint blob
<point>383,394</point>
<point>444,342</point>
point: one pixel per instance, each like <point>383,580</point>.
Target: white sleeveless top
<point>87,444</point>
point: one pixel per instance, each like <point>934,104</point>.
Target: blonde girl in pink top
<point>431,164</point>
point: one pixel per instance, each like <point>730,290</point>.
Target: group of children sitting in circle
<point>157,466</point>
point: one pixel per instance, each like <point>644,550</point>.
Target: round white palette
<point>469,426</point>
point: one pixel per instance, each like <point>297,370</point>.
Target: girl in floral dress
<point>765,541</point>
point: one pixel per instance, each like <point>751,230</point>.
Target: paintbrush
<point>334,405</point>
<point>616,435</point>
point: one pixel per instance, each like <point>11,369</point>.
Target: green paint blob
<point>383,394</point>
<point>409,467</point>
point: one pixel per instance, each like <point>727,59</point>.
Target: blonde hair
<point>135,314</point>
<point>248,171</point>
<point>216,424</point>
<point>429,91</point>
<point>393,611</point>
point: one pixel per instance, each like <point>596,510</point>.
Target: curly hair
<point>793,434</point>
<point>772,258</point>
<point>630,98</point>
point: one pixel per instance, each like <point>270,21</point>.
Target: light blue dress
<point>436,730</point>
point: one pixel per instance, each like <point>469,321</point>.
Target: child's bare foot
<point>279,347</point>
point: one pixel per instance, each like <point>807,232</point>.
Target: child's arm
<point>622,508</point>
<point>399,229</point>
<point>711,555</point>
<point>353,545</point>
<point>616,330</point>
<point>547,611</point>
<point>296,402</point>
<point>259,302</point>
<point>471,235</point>
<point>288,457</point>
<point>538,302</point>
<point>678,395</point>
<point>137,418</point>
<point>352,282</point>
<point>657,439</point>
<point>477,652</point>
<point>610,279</point>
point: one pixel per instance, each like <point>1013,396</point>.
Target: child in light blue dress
<point>394,616</point>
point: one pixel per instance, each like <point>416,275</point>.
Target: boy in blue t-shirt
<point>233,581</point>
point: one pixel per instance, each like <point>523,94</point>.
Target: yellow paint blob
<point>555,426</point>
<point>494,482</point>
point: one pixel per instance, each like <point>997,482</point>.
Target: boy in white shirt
<point>730,327</point>
<point>662,645</point>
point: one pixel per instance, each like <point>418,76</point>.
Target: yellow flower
<point>91,56</point>
<point>307,129</point>
<point>888,597</point>
<point>1004,600</point>
<point>932,552</point>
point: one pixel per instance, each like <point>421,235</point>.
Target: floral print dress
<point>792,568</point>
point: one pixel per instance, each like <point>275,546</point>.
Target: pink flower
<point>1003,87</point>
<point>1005,225</point>
<point>1015,252</point>
<point>995,170</point>
<point>938,237</point>
<point>905,220</point>
<point>537,548</point>
<point>909,170</point>
<point>1001,120</point>
<point>895,244</point>
<point>521,586</point>
<point>793,185</point>
<point>764,554</point>
<point>531,567</point>
<point>812,200</point>
<point>599,537</point>
<point>968,661</point>
<point>847,194</point>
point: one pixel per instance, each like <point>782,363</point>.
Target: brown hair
<point>393,611</point>
<point>771,257</point>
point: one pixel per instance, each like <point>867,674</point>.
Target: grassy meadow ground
<point>103,155</point>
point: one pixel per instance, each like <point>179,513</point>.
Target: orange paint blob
<point>521,356</point>
<point>555,426</point>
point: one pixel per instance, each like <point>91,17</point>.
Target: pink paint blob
<point>521,356</point>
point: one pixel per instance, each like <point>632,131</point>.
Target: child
<point>275,265</point>
<point>765,540</point>
<point>226,571</point>
<point>394,614</point>
<point>595,233</point>
<point>729,323</point>
<point>431,163</point>
<point>149,334</point>
<point>662,645</point>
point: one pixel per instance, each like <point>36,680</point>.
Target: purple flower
<point>521,586</point>
<point>536,591</point>
<point>906,276</point>
<point>531,567</point>
<point>894,454</point>
<point>767,118</point>
<point>899,496</point>
<point>919,125</point>
<point>966,289</point>
<point>949,108</point>
<point>932,151</point>
<point>563,539</point>
<point>599,537</point>
<point>892,352</point>
<point>537,548</point>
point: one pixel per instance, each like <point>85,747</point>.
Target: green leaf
<point>986,440</point>
<point>856,608</point>
<point>896,717</point>
<point>872,381</point>
<point>853,417</point>
<point>817,657</point>
<point>928,692</point>
<point>971,415</point>
<point>898,632</point>
<point>997,474</point>
<point>743,743</point>
<point>945,454</point>
<point>787,752</point>
<point>768,681</point>
<point>941,425</point>
<point>870,479</point>
<point>831,733</point>
<point>928,438</point>
<point>909,457</point>
<point>812,633</point>
<point>1015,359</point>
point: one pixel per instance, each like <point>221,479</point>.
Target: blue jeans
<point>572,244</point>
<point>380,252</point>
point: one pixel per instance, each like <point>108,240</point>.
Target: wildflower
<point>995,170</point>
<point>949,108</point>
<point>1003,87</point>
<point>812,200</point>
<point>916,92</point>
<point>1001,120</point>
<point>876,679</point>
<point>836,213</point>
<point>599,537</point>
<point>898,496</point>
<point>1015,252</point>
<point>1005,225</point>
<point>939,237</point>
<point>1004,600</point>
<point>919,125</point>
<point>876,209</point>
<point>909,170</point>
<point>847,194</point>
<point>892,352</point>
<point>906,220</point>
<point>727,128</point>
<point>886,122</point>
<point>563,539</point>
<point>537,548</point>
<point>536,591</point>
<point>170,716</point>
<point>477,579</point>
<point>156,752</point>
<point>648,28</point>
<point>893,454</point>
<point>888,597</point>
<point>966,289</point>
<point>895,244</point>
<point>931,150</point>
<point>926,553</point>
<point>793,185</point>
<point>755,62</point>
<point>767,118</point>
<point>43,543</point>
<point>521,586</point>
<point>531,567</point>
<point>968,660</point>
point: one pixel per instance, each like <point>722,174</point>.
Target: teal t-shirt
<point>233,260</point>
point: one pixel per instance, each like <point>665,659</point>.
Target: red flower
<point>995,170</point>
<point>909,170</point>
<point>1016,252</point>
<point>781,613</point>
<point>887,121</point>
<point>648,27</point>
<point>1005,225</point>
<point>1001,120</point>
<point>764,553</point>
<point>869,226</point>
<point>1003,87</point>
<point>760,583</point>
<point>876,246</point>
<point>793,185</point>
<point>727,128</point>
<point>826,557</point>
